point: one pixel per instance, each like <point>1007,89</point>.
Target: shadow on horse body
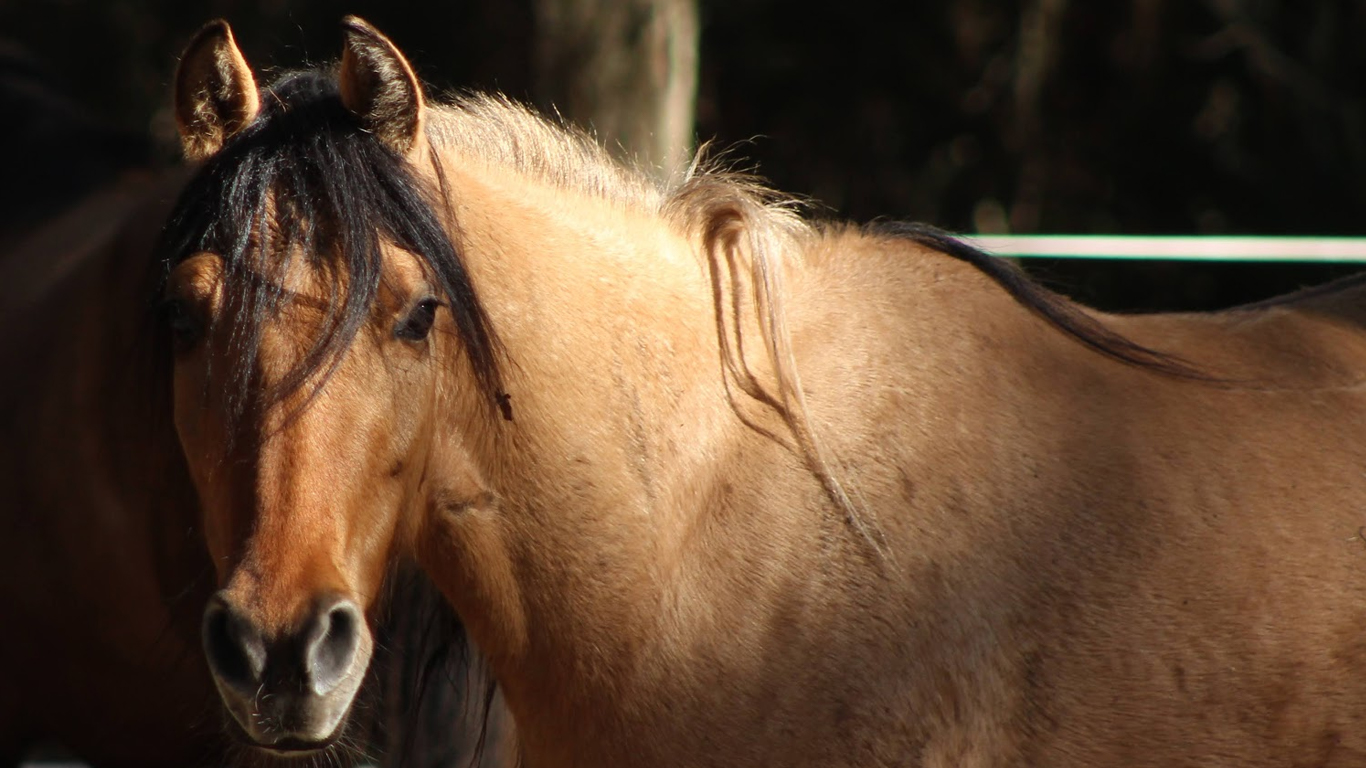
<point>102,556</point>
<point>713,485</point>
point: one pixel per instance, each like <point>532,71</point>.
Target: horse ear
<point>379,87</point>
<point>215,94</point>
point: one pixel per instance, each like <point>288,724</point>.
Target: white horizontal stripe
<point>1307,249</point>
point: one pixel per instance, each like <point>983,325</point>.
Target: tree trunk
<point>625,69</point>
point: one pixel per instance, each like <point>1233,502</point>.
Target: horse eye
<point>418,323</point>
<point>181,321</point>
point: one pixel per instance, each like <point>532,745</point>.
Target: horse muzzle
<point>289,692</point>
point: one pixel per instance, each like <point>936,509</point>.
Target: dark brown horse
<point>97,544</point>
<point>103,568</point>
<point>714,485</point>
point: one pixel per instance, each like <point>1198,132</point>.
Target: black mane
<point>1057,311</point>
<point>336,193</point>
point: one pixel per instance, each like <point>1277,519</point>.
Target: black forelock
<point>304,180</point>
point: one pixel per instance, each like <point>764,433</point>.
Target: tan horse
<point>713,485</point>
<point>103,569</point>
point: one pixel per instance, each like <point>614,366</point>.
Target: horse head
<point>311,295</point>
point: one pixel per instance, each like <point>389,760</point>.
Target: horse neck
<point>629,483</point>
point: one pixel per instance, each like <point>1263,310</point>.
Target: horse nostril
<point>234,648</point>
<point>333,641</point>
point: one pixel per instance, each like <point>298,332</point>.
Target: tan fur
<point>378,85</point>
<point>781,494</point>
<point>215,93</point>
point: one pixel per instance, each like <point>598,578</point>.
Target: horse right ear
<point>215,93</point>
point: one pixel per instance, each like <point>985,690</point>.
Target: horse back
<point>1312,338</point>
<point>1168,565</point>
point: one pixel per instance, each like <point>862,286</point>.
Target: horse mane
<point>498,131</point>
<point>504,133</point>
<point>1058,311</point>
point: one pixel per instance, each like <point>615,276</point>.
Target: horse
<point>93,551</point>
<point>710,482</point>
<point>104,571</point>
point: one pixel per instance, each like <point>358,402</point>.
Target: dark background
<point>1027,116</point>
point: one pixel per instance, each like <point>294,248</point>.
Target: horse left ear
<point>379,87</point>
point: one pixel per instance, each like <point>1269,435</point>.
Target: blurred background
<point>992,116</point>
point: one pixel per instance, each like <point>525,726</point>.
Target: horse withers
<point>711,484</point>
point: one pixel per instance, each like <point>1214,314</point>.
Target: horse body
<point>736,489</point>
<point>1086,564</point>
<point>96,541</point>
